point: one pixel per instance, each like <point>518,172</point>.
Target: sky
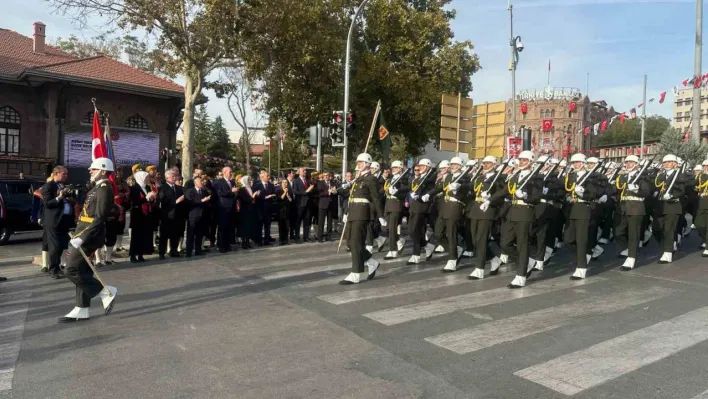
<point>615,41</point>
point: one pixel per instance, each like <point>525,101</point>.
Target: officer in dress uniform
<point>396,189</point>
<point>633,189</point>
<point>419,211</point>
<point>481,216</point>
<point>373,235</point>
<point>581,190</point>
<point>364,202</point>
<point>671,188</point>
<point>701,219</point>
<point>90,235</point>
<point>525,191</point>
<point>598,211</point>
<point>545,212</point>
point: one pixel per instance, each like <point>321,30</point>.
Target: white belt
<point>392,198</point>
<point>549,202</point>
<point>632,198</point>
<point>360,200</point>
<point>519,202</point>
<point>452,199</point>
<point>578,200</point>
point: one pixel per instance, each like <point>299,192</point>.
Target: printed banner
<point>129,147</point>
<point>514,146</point>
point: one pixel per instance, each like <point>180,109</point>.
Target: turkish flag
<point>622,116</point>
<point>587,130</point>
<point>98,144</point>
<point>547,125</point>
<point>662,97</point>
<point>685,82</point>
<point>603,126</point>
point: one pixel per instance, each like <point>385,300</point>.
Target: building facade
<point>683,107</point>
<point>46,109</point>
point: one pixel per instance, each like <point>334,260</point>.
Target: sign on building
<point>129,147</point>
<point>514,146</point>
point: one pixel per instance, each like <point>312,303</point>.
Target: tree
<point>202,131</point>
<point>403,54</point>
<point>194,37</point>
<point>631,130</point>
<point>673,142</point>
<point>111,47</point>
<point>219,143</point>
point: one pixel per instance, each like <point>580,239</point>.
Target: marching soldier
<point>633,189</point>
<point>454,190</point>
<point>582,189</point>
<point>701,219</point>
<point>598,211</point>
<point>364,202</point>
<point>468,251</point>
<point>545,212</point>
<point>373,235</point>
<point>438,201</point>
<point>671,188</point>
<point>396,189</point>
<point>90,236</point>
<point>420,210</point>
<point>525,191</point>
<point>481,215</point>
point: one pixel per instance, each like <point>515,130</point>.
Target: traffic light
<point>351,124</point>
<point>337,129</point>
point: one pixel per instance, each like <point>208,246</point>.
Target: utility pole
<point>696,114</point>
<point>318,164</point>
<point>644,117</point>
<point>280,141</point>
<point>512,43</point>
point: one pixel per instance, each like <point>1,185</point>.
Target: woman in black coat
<point>248,214</point>
<point>285,200</point>
<point>142,199</point>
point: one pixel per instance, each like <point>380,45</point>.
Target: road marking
<point>489,334</point>
<point>443,306</point>
<point>291,259</point>
<point>316,269</point>
<point>703,395</point>
<point>12,325</point>
<point>393,290</point>
<point>608,360</point>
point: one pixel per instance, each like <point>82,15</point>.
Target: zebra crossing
<point>447,316</point>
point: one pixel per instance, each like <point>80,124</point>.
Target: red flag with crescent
<point>547,125</point>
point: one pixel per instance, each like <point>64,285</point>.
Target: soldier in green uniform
<point>582,190</point>
<point>438,200</point>
<point>671,188</point>
<point>545,212</point>
<point>396,189</point>
<point>481,216</point>
<point>374,240</point>
<point>454,188</point>
<point>701,219</point>
<point>525,191</point>
<point>90,235</point>
<point>598,211</point>
<point>364,201</point>
<point>419,210</point>
<point>632,189</point>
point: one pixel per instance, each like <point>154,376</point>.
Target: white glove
<point>345,185</point>
<point>579,190</point>
<point>425,198</point>
<point>603,199</point>
<point>484,206</point>
<point>392,190</point>
<point>545,190</point>
<point>454,186</point>
<point>520,194</point>
<point>666,197</point>
<point>656,194</point>
<point>633,187</point>
<point>344,218</point>
<point>414,196</point>
<point>383,223</point>
<point>76,242</point>
<point>486,195</point>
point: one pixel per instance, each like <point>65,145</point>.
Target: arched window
<point>9,131</point>
<point>553,113</point>
<point>88,118</point>
<point>136,122</point>
<point>543,113</point>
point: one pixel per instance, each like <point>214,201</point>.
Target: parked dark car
<point>21,207</point>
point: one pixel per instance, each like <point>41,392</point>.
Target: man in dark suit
<point>302,188</point>
<point>265,202</point>
<point>190,183</point>
<point>56,219</point>
<point>225,188</point>
<point>327,194</point>
<point>198,201</point>
<point>171,197</point>
<point>293,206</point>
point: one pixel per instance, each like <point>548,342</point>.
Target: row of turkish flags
<point>572,106</point>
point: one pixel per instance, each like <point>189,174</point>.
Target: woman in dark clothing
<point>285,199</point>
<point>141,218</point>
<point>248,214</point>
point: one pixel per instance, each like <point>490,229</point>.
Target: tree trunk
<point>247,148</point>
<point>191,91</point>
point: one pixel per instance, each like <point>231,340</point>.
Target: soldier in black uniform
<point>545,212</point>
<point>454,188</point>
<point>598,211</point>
<point>364,202</point>
<point>374,240</point>
<point>437,202</point>
<point>525,190</point>
<point>90,235</point>
<point>582,190</point>
<point>701,219</point>
<point>396,189</point>
<point>481,216</point>
<point>671,188</point>
<point>420,210</point>
<point>633,189</point>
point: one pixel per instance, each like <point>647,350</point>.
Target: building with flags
<point>683,107</point>
<point>46,113</point>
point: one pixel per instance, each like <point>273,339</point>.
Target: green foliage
<point>219,143</point>
<point>202,130</point>
<point>672,142</point>
<point>631,130</point>
<point>127,48</point>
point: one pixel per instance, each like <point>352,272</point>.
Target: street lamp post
<point>516,48</point>
<point>347,70</point>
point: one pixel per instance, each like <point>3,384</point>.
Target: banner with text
<point>129,147</point>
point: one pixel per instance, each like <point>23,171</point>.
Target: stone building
<point>46,109</point>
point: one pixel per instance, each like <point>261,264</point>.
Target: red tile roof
<point>17,58</point>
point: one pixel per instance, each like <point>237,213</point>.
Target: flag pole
<point>373,124</point>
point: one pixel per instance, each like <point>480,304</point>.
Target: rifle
<point>584,178</point>
<point>681,169</point>
<point>550,172</point>
<point>533,172</point>
<point>425,178</point>
<point>393,182</point>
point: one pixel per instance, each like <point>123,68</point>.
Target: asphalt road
<point>273,323</point>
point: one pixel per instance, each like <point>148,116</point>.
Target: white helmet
<point>471,162</point>
<point>670,158</point>
<point>578,158</point>
<point>698,168</point>
<point>527,155</point>
<point>102,164</point>
<point>425,162</point>
<point>593,160</point>
<point>554,161</point>
<point>375,165</point>
<point>513,162</point>
<point>705,163</point>
<point>490,158</point>
<point>542,159</point>
<point>444,164</point>
<point>456,161</point>
<point>632,158</point>
<point>563,163</point>
<point>397,164</point>
<point>364,157</point>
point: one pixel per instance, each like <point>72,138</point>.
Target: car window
<point>19,188</point>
